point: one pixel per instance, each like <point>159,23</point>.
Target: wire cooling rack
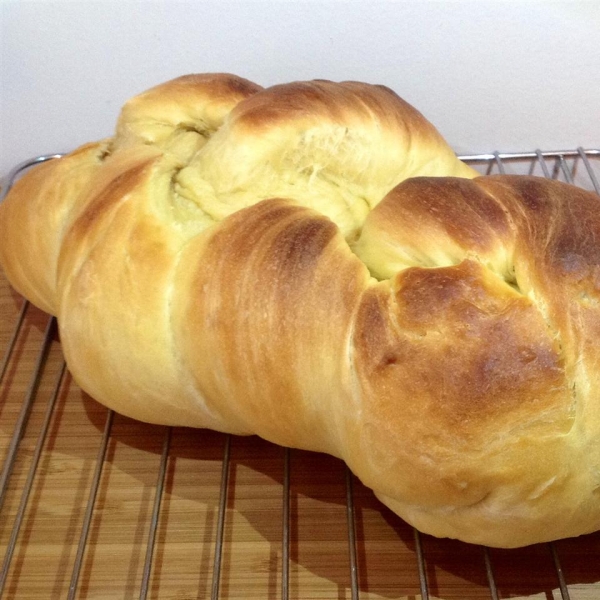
<point>94,505</point>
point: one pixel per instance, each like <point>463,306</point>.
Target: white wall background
<point>490,74</point>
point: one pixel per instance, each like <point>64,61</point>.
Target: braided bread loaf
<point>311,263</point>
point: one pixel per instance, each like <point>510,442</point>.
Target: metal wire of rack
<point>579,166</point>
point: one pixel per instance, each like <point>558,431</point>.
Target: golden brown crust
<point>271,269</point>
<point>436,222</point>
<point>303,263</point>
<point>469,354</point>
<point>181,114</point>
<point>31,244</point>
<point>350,142</point>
